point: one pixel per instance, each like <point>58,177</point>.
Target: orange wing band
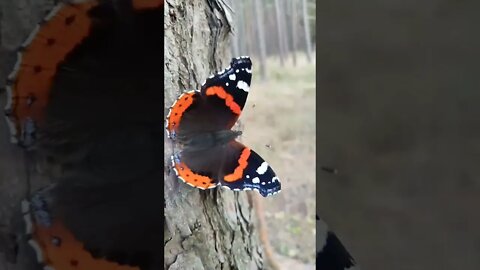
<point>242,164</point>
<point>62,251</point>
<point>178,108</point>
<point>31,80</point>
<point>193,179</point>
<point>221,93</point>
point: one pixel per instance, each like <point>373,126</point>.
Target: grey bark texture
<point>17,19</point>
<point>212,229</point>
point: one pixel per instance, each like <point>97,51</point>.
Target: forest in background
<point>274,28</point>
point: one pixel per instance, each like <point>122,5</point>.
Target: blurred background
<point>279,118</point>
<point>399,117</point>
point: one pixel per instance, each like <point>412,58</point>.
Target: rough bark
<point>17,19</point>
<point>204,229</point>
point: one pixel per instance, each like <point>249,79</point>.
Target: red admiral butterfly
<point>201,122</point>
<point>67,69</point>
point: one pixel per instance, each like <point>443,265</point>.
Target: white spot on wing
<point>256,180</point>
<point>248,70</point>
<point>243,85</point>
<point>232,77</point>
<point>262,168</point>
<point>275,179</point>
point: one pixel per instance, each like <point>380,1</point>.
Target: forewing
<point>216,106</point>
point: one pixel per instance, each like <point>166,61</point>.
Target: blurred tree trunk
<point>211,229</point>
<point>261,37</point>
<point>237,7</point>
<point>306,27</point>
<point>249,34</point>
<point>283,10</point>
<point>293,29</point>
<point>280,31</point>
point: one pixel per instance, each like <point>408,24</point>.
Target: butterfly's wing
<point>216,106</point>
<point>251,173</point>
<point>50,242</point>
<point>236,166</point>
<point>28,85</point>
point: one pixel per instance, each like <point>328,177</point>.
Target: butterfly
<point>201,122</point>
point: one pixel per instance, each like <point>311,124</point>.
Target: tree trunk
<point>280,31</point>
<point>293,27</point>
<point>258,7</point>
<point>17,19</point>
<point>306,27</point>
<point>283,11</point>
<point>237,7</point>
<point>204,229</point>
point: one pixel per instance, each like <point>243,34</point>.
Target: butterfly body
<point>201,122</point>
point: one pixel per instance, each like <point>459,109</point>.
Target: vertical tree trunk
<point>204,229</point>
<point>283,10</point>
<point>293,29</point>
<point>237,29</point>
<point>258,7</point>
<point>306,27</point>
<point>280,32</point>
